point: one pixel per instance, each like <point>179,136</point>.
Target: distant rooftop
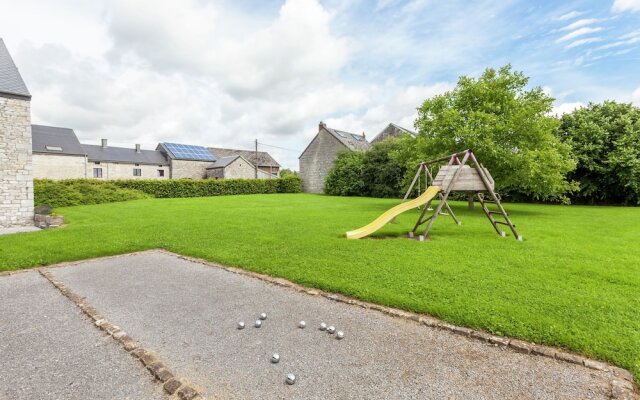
<point>353,141</point>
<point>11,82</point>
<point>54,140</point>
<point>263,158</point>
<point>124,155</point>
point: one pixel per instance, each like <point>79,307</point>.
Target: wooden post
<point>470,201</point>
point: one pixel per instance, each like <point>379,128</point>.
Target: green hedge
<point>212,187</point>
<point>73,192</point>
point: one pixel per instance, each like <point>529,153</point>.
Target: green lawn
<point>574,281</point>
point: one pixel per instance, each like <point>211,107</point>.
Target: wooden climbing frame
<point>463,173</point>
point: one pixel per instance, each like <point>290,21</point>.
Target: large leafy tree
<point>606,142</point>
<point>506,124</point>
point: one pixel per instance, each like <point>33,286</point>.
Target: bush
<point>345,178</point>
<point>173,188</point>
<point>606,142</point>
<point>74,192</point>
<point>383,174</point>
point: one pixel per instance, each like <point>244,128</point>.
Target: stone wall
<point>317,160</point>
<point>111,170</point>
<point>239,169</point>
<point>16,171</point>
<point>189,169</point>
<point>55,166</point>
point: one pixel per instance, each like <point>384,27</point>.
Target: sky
<point>225,73</point>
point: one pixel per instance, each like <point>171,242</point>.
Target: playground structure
<point>463,173</point>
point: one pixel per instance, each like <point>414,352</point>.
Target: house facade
<point>107,162</point>
<point>318,158</point>
<point>16,170</point>
<point>57,153</point>
<point>268,167</point>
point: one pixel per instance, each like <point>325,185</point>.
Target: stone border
<point>173,385</point>
<point>622,381</point>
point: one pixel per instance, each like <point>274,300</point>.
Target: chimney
<point>104,143</point>
<point>321,125</point>
<point>137,148</point>
<point>363,135</point>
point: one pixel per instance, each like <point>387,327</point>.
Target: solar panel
<point>356,137</point>
<point>189,152</point>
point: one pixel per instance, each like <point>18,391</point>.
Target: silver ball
<point>275,358</point>
<point>331,330</point>
<point>263,316</point>
<point>323,326</point>
<point>302,324</point>
<point>340,335</point>
<point>258,323</point>
<point>241,325</point>
<point>291,379</point>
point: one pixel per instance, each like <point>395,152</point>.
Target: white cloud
<point>566,108</point>
<point>579,23</point>
<point>620,43</point>
<point>635,97</point>
<point>578,32</point>
<point>626,5</point>
<point>581,42</point>
<point>569,15</point>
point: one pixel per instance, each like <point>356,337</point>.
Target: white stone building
<point>16,173</point>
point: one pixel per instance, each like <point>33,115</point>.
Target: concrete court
<point>187,312</point>
<point>49,350</point>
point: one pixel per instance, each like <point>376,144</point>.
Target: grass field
<point>574,282</point>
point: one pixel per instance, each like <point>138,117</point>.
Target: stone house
<point>231,167</point>
<point>268,167</point>
<point>318,158</point>
<point>16,170</point>
<point>392,130</point>
<point>57,153</point>
<point>107,162</point>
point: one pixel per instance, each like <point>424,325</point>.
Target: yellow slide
<point>391,213</point>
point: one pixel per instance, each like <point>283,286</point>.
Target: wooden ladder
<point>495,199</point>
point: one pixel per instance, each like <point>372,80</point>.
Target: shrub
<point>211,187</point>
<point>345,178</point>
<point>74,192</point>
<point>383,173</point>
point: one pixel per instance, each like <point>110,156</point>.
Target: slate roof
<point>264,159</point>
<point>11,82</point>
<point>410,132</point>
<point>351,140</point>
<point>222,162</point>
<point>124,155</point>
<point>51,136</point>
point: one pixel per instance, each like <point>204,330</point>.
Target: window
<point>137,172</point>
<point>137,165</point>
<point>53,148</point>
<point>161,173</point>
<point>96,162</point>
<point>97,172</point>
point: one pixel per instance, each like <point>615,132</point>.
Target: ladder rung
<point>497,212</point>
<point>503,223</point>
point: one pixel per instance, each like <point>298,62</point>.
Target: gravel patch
<point>48,350</point>
<point>187,314</point>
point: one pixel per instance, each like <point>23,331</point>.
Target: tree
<point>383,172</point>
<point>287,172</point>
<point>345,177</point>
<point>508,127</point>
<point>606,142</point>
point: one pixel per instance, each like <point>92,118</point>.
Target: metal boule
<point>275,358</point>
<point>340,335</point>
<point>263,316</point>
<point>258,323</point>
<point>323,326</point>
<point>291,379</point>
<point>302,324</point>
<point>240,324</point>
<point>331,330</point>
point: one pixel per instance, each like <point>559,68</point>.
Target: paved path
<point>187,312</point>
<point>49,350</point>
